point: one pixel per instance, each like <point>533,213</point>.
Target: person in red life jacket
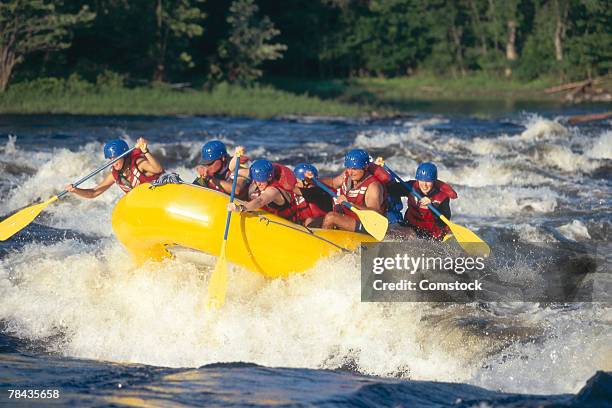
<point>362,185</point>
<point>419,218</point>
<point>138,167</point>
<point>311,200</point>
<point>217,169</point>
<point>271,190</point>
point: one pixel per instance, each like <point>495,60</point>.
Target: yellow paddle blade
<point>218,282</point>
<point>373,222</point>
<point>469,241</point>
<point>21,219</point>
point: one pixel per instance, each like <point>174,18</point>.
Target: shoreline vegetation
<point>348,58</point>
<point>280,96</point>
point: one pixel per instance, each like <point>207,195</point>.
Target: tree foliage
<point>248,46</point>
<point>28,26</point>
<point>175,19</point>
<point>141,40</point>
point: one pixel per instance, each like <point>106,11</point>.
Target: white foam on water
<point>538,128</point>
<point>493,172</point>
<point>11,145</point>
<point>258,153</point>
<point>380,139</point>
<point>504,201</point>
<point>563,158</point>
<point>576,342</point>
<point>531,233</point>
<point>601,147</point>
<point>489,146</point>
<point>317,146</point>
<point>414,136</point>
<point>545,149</point>
<point>106,309</point>
<point>425,121</point>
<point>575,230</point>
<point>12,154</point>
<point>155,315</point>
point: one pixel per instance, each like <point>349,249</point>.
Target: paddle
<point>22,218</point>
<point>373,222</point>
<point>218,279</point>
<point>469,241</point>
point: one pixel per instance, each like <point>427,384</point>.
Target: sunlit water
<point>75,314</point>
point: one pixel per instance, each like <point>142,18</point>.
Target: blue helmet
<point>115,148</point>
<point>261,170</point>
<point>356,159</point>
<point>302,168</point>
<point>213,150</point>
<point>427,172</point>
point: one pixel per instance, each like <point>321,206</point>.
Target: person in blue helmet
<point>312,202</point>
<point>138,167</point>
<point>420,219</point>
<point>271,190</point>
<point>216,170</point>
<point>362,184</point>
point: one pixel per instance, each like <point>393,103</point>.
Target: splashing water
<point>70,287</point>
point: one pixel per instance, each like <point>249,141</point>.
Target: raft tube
<point>149,220</point>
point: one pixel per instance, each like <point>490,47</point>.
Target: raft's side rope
<point>310,232</point>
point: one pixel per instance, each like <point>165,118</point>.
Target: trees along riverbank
<point>326,57</point>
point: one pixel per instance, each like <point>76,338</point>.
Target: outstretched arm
<point>265,198</point>
<point>92,192</point>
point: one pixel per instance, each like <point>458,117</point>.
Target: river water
<point>77,316</point>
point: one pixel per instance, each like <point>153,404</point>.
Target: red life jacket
<point>424,218</point>
<point>356,194</point>
<point>284,181</point>
<point>135,177</point>
<point>284,177</point>
<point>306,209</point>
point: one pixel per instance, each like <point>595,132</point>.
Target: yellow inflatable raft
<point>148,220</point>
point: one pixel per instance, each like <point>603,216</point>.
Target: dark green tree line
<point>238,41</point>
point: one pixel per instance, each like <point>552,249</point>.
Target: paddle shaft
<point>233,193</point>
<point>331,193</point>
<point>218,280</point>
<point>417,195</point>
<point>98,170</point>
